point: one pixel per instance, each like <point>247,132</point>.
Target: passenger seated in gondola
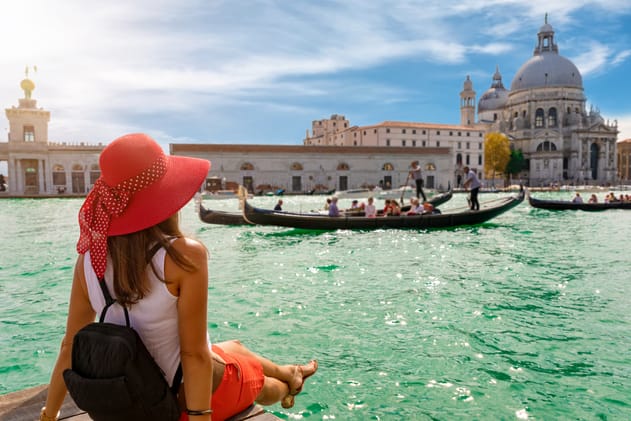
<point>415,207</point>
<point>577,198</point>
<point>333,209</point>
<point>392,208</point>
<point>370,209</point>
<point>593,199</point>
<point>327,204</point>
<point>429,209</point>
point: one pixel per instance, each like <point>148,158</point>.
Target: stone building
<point>624,161</point>
<point>544,115</point>
<point>465,143</point>
<point>37,166</point>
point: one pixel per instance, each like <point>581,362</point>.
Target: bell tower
<point>467,104</point>
<point>27,123</point>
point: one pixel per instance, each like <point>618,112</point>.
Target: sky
<point>260,71</point>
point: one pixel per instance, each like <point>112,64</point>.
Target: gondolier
<point>417,174</point>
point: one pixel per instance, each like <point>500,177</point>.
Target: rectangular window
<point>451,133</point>
<point>414,131</point>
<point>414,143</point>
<point>29,134</point>
<point>468,145</point>
<point>387,130</point>
<point>438,133</point>
<point>423,131</point>
<point>403,142</point>
<point>467,160</point>
<point>480,160</point>
<point>480,146</point>
<point>459,133</point>
<point>459,145</point>
<point>387,142</point>
<point>403,131</point>
<point>468,134</point>
<point>423,143</point>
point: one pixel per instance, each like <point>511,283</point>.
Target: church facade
<point>544,115</point>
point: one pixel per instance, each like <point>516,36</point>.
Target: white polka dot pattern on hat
<point>105,202</point>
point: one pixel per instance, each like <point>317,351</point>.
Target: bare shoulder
<point>191,248</point>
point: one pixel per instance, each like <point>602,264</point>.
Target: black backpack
<point>113,376</point>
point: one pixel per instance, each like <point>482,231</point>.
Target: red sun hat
<point>139,187</point>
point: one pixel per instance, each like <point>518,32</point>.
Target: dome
<point>495,97</point>
<point>547,67</point>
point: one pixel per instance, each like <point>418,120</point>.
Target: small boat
<point>569,205</point>
<point>315,192</point>
<point>220,194</point>
<point>221,217</point>
<point>402,192</point>
<point>354,194</point>
<point>425,221</point>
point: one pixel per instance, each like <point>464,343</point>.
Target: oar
<point>403,189</point>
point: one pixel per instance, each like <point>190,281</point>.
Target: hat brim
<point>183,178</point>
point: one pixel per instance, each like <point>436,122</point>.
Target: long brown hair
<point>131,253</point>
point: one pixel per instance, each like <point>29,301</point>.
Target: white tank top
<point>155,317</point>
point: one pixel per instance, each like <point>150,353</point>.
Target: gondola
<point>569,205</point>
<point>220,217</point>
<point>427,221</point>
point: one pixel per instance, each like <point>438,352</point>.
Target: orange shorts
<point>241,383</point>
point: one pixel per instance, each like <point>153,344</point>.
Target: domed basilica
<point>544,115</point>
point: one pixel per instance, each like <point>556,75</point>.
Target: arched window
<point>552,117</point>
<point>95,173</point>
<point>546,146</point>
<point>296,166</point>
<point>343,166</point>
<point>459,159</point>
<point>59,175</point>
<point>387,167</point>
<point>78,179</point>
<point>246,166</point>
<point>539,117</point>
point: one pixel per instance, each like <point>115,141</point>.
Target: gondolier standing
<point>471,181</point>
<point>417,175</point>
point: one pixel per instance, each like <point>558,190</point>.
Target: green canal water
<point>525,317</point>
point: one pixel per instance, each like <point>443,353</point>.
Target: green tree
<point>496,153</point>
<point>516,163</point>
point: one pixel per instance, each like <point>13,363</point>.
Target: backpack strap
<point>177,380</point>
<point>109,301</point>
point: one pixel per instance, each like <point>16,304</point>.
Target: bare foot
<point>300,374</point>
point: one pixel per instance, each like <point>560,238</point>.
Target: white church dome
<point>547,67</point>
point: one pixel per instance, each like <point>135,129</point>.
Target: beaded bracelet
<point>198,412</point>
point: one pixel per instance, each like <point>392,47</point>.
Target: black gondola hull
<point>427,221</point>
<point>568,205</point>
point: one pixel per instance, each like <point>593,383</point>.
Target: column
<point>19,178</point>
<point>12,175</point>
<point>40,176</point>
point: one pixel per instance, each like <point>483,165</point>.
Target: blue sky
<point>261,71</point>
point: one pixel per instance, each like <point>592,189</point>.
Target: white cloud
<point>621,57</point>
<point>593,59</point>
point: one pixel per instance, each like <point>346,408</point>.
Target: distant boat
<point>404,191</point>
<point>219,194</point>
<point>221,217</point>
<point>569,205</point>
<point>354,193</point>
